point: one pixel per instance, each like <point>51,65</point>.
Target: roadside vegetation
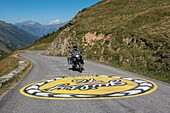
<point>8,64</point>
<point>12,82</point>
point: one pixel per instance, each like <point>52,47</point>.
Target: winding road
<point>49,67</point>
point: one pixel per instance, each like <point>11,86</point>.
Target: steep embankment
<point>132,34</point>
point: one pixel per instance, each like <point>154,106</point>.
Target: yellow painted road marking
<point>89,87</point>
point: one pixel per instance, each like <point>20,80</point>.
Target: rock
<point>21,62</point>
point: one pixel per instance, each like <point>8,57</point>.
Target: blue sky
<point>43,11</point>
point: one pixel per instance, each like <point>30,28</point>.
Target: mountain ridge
<point>38,29</point>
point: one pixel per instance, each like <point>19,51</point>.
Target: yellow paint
<point>100,90</point>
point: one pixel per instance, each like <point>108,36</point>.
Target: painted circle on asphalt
<point>89,87</point>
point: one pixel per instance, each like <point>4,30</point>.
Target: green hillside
<point>130,34</point>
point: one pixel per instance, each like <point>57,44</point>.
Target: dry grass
<point>42,46</point>
<point>12,82</point>
<point>8,64</point>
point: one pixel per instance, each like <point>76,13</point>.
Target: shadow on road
<point>76,69</point>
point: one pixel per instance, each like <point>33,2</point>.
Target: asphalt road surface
<point>51,67</point>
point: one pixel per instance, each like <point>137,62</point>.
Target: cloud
<point>54,22</point>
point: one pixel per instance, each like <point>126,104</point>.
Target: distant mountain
<point>38,29</point>
<point>12,38</point>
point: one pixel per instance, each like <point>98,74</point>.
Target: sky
<point>42,11</point>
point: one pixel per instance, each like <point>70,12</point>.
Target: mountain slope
<point>38,29</point>
<point>12,38</point>
<point>131,34</point>
<point>3,49</point>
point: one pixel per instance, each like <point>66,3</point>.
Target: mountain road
<point>28,96</point>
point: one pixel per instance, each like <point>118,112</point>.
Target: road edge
<point>22,74</point>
